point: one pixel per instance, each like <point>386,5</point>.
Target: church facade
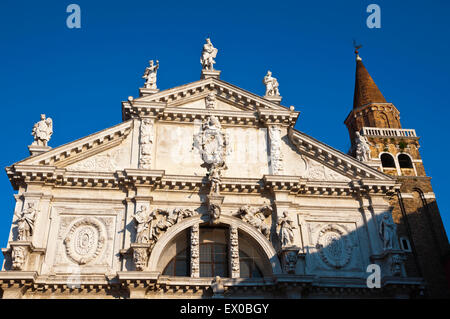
<point>206,190</point>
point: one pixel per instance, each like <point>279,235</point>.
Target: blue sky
<point>80,76</point>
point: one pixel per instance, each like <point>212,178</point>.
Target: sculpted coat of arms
<point>212,142</point>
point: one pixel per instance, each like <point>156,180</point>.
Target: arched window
<point>248,267</point>
<point>213,260</point>
<point>214,256</point>
<point>404,161</point>
<point>179,265</point>
<point>387,160</point>
<point>384,120</point>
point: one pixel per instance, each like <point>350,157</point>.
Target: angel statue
<point>209,53</point>
<point>150,75</point>
<point>271,84</point>
<point>42,131</point>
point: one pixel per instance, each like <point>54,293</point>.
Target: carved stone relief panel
<point>85,240</point>
<point>276,156</point>
<point>333,246</point>
<point>106,161</point>
<point>146,142</point>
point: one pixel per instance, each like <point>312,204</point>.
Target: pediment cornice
<point>167,105</point>
<point>334,159</point>
<point>72,152</point>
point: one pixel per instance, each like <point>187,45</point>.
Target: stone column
<point>233,245</point>
<point>195,251</point>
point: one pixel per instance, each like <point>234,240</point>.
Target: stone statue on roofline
<point>42,131</point>
<point>361,147</point>
<point>271,84</point>
<point>150,75</point>
<point>209,53</point>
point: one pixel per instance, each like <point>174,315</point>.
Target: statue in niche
<point>388,231</point>
<point>271,84</point>
<point>150,75</point>
<point>26,223</point>
<point>143,219</point>
<point>285,233</point>
<point>362,147</point>
<point>209,53</point>
<point>42,131</point>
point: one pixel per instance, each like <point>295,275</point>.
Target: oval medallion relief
<point>334,246</point>
<point>85,240</point>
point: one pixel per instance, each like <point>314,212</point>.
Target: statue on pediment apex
<point>42,131</point>
<point>209,53</point>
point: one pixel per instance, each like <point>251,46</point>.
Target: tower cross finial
<point>357,47</point>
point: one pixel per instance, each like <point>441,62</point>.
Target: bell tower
<point>395,151</point>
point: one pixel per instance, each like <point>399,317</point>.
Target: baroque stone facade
<point>206,190</point>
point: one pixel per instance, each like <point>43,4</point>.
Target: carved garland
<point>85,240</point>
<point>334,247</point>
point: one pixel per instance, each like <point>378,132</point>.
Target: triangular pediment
<point>91,152</point>
<point>316,154</point>
<point>195,91</point>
